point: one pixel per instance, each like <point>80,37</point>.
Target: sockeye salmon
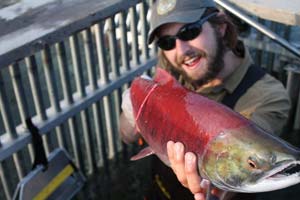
<point>233,153</point>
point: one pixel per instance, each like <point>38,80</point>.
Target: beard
<point>214,65</point>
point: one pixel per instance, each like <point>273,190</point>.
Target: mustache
<point>189,54</point>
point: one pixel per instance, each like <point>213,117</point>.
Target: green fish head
<point>250,160</point>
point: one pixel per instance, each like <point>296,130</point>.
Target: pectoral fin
<point>142,154</point>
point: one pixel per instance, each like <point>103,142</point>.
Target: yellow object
<point>55,183</point>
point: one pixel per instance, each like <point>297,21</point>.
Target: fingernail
<point>169,144</point>
<point>190,158</point>
<point>178,150</point>
<point>198,196</point>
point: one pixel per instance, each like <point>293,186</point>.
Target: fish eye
<point>252,163</point>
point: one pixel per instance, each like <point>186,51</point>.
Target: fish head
<point>249,160</point>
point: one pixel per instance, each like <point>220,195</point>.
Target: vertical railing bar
<point>4,180</point>
<point>259,37</point>
<point>117,111</point>
<point>293,89</point>
<point>6,111</point>
<point>53,91</point>
<point>19,91</point>
<point>104,80</point>
<point>116,94</point>
<point>109,127</point>
<point>75,142</point>
<point>77,62</point>
<point>87,141</point>
<point>125,148</point>
<point>18,160</point>
<point>113,47</point>
<point>91,69</point>
<point>90,58</point>
<point>282,64</point>
<point>143,20</point>
<point>35,87</point>
<point>96,108</point>
<point>116,71</point>
<point>154,47</point>
<point>270,56</point>
<point>50,78</point>
<point>60,136</point>
<point>63,71</point>
<point>100,140</point>
<point>134,36</point>
<point>101,52</point>
<point>37,94</point>
<point>124,41</point>
<point>9,124</point>
<point>287,32</point>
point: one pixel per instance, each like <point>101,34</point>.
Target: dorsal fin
<point>163,77</point>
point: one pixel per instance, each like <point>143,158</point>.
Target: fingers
<point>185,167</point>
<point>191,172</point>
<point>176,158</point>
<point>199,196</point>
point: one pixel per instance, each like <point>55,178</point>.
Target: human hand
<point>184,166</point>
<point>127,107</point>
<point>127,122</point>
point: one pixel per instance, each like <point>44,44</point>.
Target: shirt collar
<point>233,80</point>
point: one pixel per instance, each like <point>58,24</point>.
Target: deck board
<point>286,12</point>
<point>36,22</point>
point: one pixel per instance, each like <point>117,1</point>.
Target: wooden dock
<point>286,12</point>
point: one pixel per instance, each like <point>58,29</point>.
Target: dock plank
<point>286,12</point>
<point>34,23</point>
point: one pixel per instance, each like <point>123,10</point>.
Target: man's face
<point>198,60</point>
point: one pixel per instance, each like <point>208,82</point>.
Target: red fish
<point>233,153</point>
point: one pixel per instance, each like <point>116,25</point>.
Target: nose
<point>181,46</point>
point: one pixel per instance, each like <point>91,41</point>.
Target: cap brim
<point>182,17</point>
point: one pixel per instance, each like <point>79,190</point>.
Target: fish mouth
<point>284,175</point>
<point>286,170</point>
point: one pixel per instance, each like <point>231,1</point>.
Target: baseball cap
<point>179,11</point>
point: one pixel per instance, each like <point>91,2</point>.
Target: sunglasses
<point>185,33</point>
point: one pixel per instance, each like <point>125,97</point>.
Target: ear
<point>222,27</point>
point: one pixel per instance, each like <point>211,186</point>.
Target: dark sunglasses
<point>185,33</point>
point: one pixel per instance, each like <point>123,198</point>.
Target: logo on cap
<point>165,6</point>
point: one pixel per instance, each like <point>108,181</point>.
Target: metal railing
<point>71,86</point>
